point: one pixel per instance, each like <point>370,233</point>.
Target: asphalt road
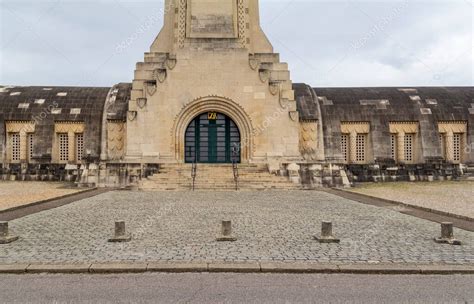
<point>235,288</point>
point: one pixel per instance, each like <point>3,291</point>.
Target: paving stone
<point>271,226</point>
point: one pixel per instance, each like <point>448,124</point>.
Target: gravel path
<point>452,197</point>
<point>270,226</point>
<point>15,194</point>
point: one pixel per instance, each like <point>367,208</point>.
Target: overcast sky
<point>326,43</point>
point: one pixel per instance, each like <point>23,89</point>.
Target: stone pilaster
<point>352,147</point>
<point>401,147</point>
<point>450,146</point>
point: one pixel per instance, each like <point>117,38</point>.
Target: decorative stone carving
<point>254,63</point>
<point>171,62</point>
<point>131,115</point>
<point>264,75</point>
<point>69,127</point>
<point>358,127</point>
<point>20,127</point>
<point>274,88</point>
<point>116,134</point>
<point>294,115</point>
<point>141,102</point>
<point>151,88</point>
<point>308,139</point>
<point>160,75</point>
<point>181,27</point>
<point>454,127</point>
<point>408,127</point>
<point>241,18</point>
<point>284,103</point>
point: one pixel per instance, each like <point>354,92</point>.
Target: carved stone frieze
<point>131,115</point>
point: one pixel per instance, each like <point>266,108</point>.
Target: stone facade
<point>211,57</point>
<point>237,75</point>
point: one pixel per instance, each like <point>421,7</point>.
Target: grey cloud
<point>326,43</point>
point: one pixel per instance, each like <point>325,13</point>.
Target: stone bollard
<point>226,232</point>
<point>447,235</point>
<point>120,233</point>
<point>326,234</point>
<point>5,237</point>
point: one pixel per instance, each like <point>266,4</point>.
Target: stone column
<point>450,146</point>
<point>401,147</point>
<point>352,147</point>
<point>23,146</point>
<point>71,137</point>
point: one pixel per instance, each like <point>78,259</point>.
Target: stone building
<point>211,91</point>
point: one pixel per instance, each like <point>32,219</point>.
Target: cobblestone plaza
<point>269,226</point>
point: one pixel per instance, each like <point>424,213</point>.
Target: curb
<point>247,267</point>
<point>461,217</point>
<point>48,200</point>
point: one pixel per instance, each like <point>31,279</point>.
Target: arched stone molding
<point>213,104</point>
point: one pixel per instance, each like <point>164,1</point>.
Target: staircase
<point>219,177</point>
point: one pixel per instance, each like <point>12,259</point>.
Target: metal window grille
<point>30,145</point>
<point>15,147</point>
<point>79,147</point>
<point>457,145</point>
<point>360,147</point>
<point>63,147</point>
<point>409,138</point>
<point>344,149</point>
<point>393,146</point>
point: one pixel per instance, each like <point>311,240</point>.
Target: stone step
<point>215,177</point>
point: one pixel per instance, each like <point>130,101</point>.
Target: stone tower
<point>212,58</point>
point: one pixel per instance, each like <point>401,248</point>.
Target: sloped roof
<point>443,103</point>
<point>64,103</point>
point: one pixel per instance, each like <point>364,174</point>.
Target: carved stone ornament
<point>294,115</point>
<point>160,75</point>
<point>151,88</point>
<point>264,75</point>
<point>132,115</point>
<point>171,63</point>
<point>284,103</point>
<point>254,63</point>
<point>274,88</point>
<point>141,102</point>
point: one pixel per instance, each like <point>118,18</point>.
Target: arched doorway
<point>212,137</point>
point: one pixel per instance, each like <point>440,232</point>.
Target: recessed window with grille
<point>409,138</point>
<point>442,142</point>
<point>15,147</point>
<point>63,147</point>
<point>393,146</point>
<point>344,150</point>
<point>79,147</point>
<point>30,146</point>
<point>457,144</point>
<point>361,141</point>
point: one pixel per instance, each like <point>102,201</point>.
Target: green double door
<point>212,138</point>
